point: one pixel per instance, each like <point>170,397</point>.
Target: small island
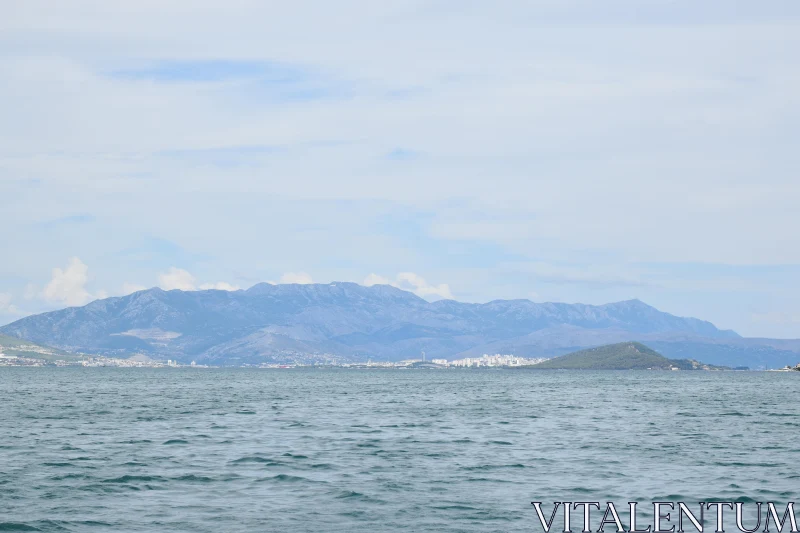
<point>621,356</point>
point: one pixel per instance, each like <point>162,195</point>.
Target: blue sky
<point>572,151</point>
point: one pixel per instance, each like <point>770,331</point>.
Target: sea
<point>380,450</point>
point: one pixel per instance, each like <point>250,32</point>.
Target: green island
<point>621,356</point>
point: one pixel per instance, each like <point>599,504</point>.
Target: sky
<point>555,150</point>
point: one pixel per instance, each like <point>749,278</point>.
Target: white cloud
<point>130,288</point>
<point>176,278</point>
<point>301,278</point>
<point>68,286</point>
<point>411,282</point>
<point>219,286</point>
<point>646,155</point>
<point>374,279</point>
<point>6,307</point>
<point>421,287</point>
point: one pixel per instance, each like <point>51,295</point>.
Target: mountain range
<point>349,322</point>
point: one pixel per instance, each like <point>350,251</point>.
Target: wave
<point>17,526</point>
<point>133,479</point>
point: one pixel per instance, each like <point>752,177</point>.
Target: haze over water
<point>380,450</point>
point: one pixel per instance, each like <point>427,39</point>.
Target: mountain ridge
<point>277,322</point>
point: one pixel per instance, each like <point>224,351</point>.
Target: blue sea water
<point>213,450</point>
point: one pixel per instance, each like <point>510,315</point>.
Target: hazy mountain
<point>346,320</point>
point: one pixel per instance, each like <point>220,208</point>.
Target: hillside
<point>621,356</point>
<point>13,346</point>
<point>351,322</point>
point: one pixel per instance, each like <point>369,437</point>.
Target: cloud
<point>301,278</point>
<point>219,286</point>
<point>411,282</point>
<point>560,145</point>
<point>6,307</point>
<point>68,286</point>
<point>176,278</point>
<point>420,287</point>
<point>374,279</point>
<point>130,288</point>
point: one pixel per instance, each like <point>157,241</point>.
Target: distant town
<point>621,356</point>
<point>91,361</point>
<point>485,361</point>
